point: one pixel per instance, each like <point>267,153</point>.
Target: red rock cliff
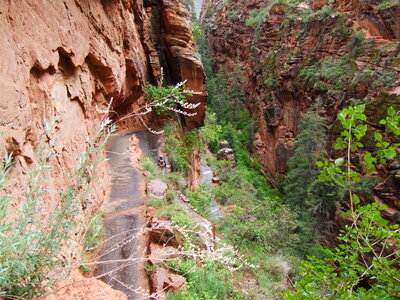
<point>289,62</point>
<point>70,58</point>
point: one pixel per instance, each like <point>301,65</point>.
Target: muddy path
<point>122,258</point>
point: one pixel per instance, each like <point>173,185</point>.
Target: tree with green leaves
<point>365,265</point>
<point>302,190</point>
<point>309,148</point>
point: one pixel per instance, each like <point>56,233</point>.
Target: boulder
<point>157,189</point>
<point>162,233</point>
<point>182,197</point>
<point>163,280</point>
<point>216,180</point>
<point>151,213</point>
<point>158,253</point>
<point>226,153</point>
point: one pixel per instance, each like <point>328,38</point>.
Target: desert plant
<point>31,248</point>
<point>94,232</point>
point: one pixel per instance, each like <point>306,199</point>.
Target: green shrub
<point>177,179</point>
<point>181,266</point>
<point>31,248</point>
<point>171,196</point>
<point>155,202</point>
<point>94,232</point>
<point>182,219</point>
<point>208,284</point>
<point>149,165</point>
<point>168,211</point>
<point>366,252</point>
<point>165,98</point>
<point>200,199</point>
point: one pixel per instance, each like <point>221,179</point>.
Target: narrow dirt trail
<point>124,216</point>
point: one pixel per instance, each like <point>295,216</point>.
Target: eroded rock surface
<point>291,65</point>
<point>280,59</point>
<point>226,153</point>
<point>74,59</point>
<point>163,280</point>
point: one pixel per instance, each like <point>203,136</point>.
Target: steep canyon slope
<point>300,55</point>
<point>71,58</point>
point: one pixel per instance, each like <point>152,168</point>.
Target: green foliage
<point>167,211</point>
<point>392,122</point>
<point>258,220</point>
<point>366,260</point>
<point>176,180</point>
<point>258,16</point>
<point>272,274</point>
<point>226,96</point>
<point>356,42</point>
<point>386,80</point>
<point>149,165</point>
<point>206,283</point>
<point>182,219</point>
<point>211,132</point>
<point>165,98</point>
<point>200,199</point>
<point>329,74</point>
<point>381,4</point>
<point>365,187</point>
<point>255,220</point>
<point>197,33</point>
<point>303,192</point>
<point>171,196</point>
<point>180,149</point>
<point>181,266</point>
<point>156,202</point>
<point>94,232</point>
<point>309,146</point>
<point>31,248</point>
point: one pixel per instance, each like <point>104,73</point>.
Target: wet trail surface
<point>206,179</point>
<point>124,214</point>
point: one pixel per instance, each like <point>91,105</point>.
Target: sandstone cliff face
<point>278,55</point>
<point>292,63</point>
<point>71,58</point>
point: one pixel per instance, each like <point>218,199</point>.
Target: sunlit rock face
<point>73,59</point>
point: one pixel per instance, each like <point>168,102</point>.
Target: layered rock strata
<point>81,62</point>
<point>309,56</point>
<point>72,59</point>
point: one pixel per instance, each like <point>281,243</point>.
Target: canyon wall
<point>72,59</point>
<point>299,55</point>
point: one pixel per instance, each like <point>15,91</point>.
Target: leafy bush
<point>31,248</point>
<point>182,219</point>
<point>155,202</point>
<point>94,232</point>
<point>335,72</point>
<point>257,16</point>
<point>165,98</point>
<point>364,265</point>
<point>180,148</point>
<point>206,283</point>
<point>149,165</point>
<point>200,199</point>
